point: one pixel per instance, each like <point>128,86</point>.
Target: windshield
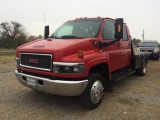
<point>148,44</point>
<point>78,29</point>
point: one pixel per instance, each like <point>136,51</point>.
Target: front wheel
<point>93,94</point>
<point>142,70</point>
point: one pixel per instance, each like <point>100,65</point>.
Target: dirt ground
<point>134,98</point>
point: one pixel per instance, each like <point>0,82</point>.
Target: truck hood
<point>58,47</point>
<point>46,46</point>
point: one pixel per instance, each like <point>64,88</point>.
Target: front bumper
<point>56,87</point>
<point>154,54</point>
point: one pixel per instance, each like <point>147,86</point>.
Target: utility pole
<point>143,35</point>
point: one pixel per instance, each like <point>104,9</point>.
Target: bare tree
<point>11,30</point>
<point>12,35</point>
<point>136,41</point>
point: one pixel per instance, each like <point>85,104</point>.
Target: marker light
<point>80,54</point>
<point>98,17</point>
<point>119,28</point>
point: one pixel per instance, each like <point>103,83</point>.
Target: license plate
<point>31,81</point>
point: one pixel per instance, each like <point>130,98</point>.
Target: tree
<point>32,37</point>
<point>9,32</point>
<point>136,41</point>
<point>20,39</point>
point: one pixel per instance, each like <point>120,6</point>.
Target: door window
<point>108,31</point>
<point>125,38</point>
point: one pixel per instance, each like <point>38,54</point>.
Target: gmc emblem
<point>33,61</point>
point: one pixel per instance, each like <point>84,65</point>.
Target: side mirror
<point>46,32</point>
<point>119,28</point>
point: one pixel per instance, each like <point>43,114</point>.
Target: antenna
<point>143,35</point>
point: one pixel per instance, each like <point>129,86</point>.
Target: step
<point>122,74</point>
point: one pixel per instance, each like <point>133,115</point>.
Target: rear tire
<point>93,94</point>
<point>142,70</point>
<point>157,58</point>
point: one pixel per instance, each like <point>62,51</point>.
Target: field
<point>134,98</point>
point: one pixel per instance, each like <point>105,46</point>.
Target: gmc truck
<point>81,58</point>
<point>152,47</point>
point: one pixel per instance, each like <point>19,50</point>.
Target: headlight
<point>61,67</point>
<point>156,50</point>
<point>18,61</point>
<point>138,49</point>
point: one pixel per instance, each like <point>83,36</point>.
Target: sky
<point>34,14</point>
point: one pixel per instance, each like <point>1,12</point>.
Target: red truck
<point>81,58</point>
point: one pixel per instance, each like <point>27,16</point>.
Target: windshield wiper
<point>70,37</point>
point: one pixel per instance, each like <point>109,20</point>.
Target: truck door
<point>125,48</point>
<point>112,50</point>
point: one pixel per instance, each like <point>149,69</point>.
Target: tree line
<point>12,35</point>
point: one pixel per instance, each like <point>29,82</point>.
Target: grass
<point>7,57</point>
<point>7,61</point>
<point>7,52</point>
<point>2,54</point>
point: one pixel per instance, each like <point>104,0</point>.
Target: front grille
<point>36,61</point>
<point>147,50</point>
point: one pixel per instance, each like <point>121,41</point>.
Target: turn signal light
<point>119,28</point>
<point>98,17</point>
<point>80,54</point>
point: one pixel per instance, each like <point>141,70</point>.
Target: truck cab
<point>81,58</point>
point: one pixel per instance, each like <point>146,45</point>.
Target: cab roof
<point>96,18</point>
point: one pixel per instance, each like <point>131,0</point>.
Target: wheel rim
<point>96,91</point>
<point>144,68</point>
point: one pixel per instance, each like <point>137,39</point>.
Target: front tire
<point>93,94</point>
<point>142,70</point>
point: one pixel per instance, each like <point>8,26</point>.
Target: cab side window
<point>108,31</point>
<point>125,38</point>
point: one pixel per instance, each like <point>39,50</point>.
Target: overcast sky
<point>138,14</point>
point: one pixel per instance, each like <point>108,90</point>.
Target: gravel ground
<point>134,98</point>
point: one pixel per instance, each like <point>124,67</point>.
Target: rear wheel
<point>93,94</point>
<point>142,70</point>
<point>157,58</point>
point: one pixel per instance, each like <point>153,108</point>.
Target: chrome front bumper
<point>56,87</point>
